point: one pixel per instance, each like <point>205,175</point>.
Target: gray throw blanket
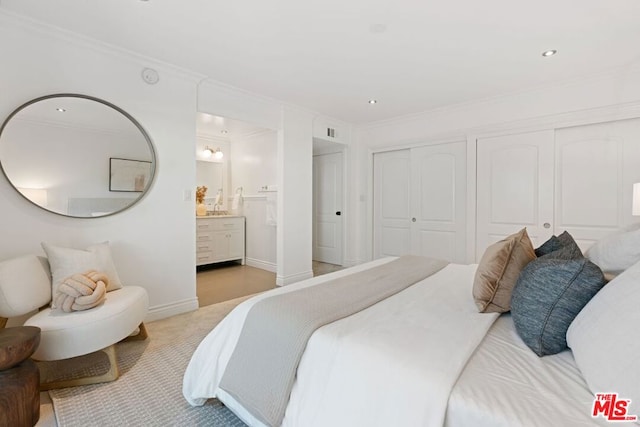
<point>262,368</point>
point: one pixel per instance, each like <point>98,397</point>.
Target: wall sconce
<point>635,204</point>
<point>217,154</point>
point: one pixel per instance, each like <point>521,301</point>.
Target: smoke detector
<point>150,76</point>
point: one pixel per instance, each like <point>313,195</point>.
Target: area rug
<point>149,390</point>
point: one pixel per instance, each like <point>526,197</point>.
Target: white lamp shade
<point>635,210</point>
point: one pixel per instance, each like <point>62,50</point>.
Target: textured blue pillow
<point>553,244</point>
<point>549,294</point>
<point>562,246</point>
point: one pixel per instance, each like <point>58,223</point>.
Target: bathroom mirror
<point>210,174</point>
<point>76,155</point>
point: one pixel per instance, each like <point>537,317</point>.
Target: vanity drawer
<point>228,224</point>
<point>204,258</point>
<point>204,236</point>
<point>203,246</point>
<point>213,223</point>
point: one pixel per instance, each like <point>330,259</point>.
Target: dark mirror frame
<point>153,165</point>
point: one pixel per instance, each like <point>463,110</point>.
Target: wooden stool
<point>19,377</point>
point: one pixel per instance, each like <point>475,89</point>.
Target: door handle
<point>338,213</point>
<point>546,225</point>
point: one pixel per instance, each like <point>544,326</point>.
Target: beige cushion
<point>24,285</point>
<point>498,272</point>
<point>65,262</point>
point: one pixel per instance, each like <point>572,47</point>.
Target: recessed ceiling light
<point>224,132</point>
<point>549,52</point>
<point>61,110</point>
<point>377,28</point>
<point>373,101</point>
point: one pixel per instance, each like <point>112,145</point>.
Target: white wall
<point>253,165</point>
<point>606,97</point>
<point>154,242</point>
<point>294,154</point>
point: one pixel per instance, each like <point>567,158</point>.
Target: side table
<point>19,377</point>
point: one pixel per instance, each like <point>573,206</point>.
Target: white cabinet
<point>219,239</point>
<point>577,179</point>
<point>420,202</point>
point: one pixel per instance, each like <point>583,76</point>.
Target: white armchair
<point>25,286</point>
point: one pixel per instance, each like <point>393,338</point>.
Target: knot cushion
<point>81,291</point>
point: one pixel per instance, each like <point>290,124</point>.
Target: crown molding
<point>23,22</point>
<point>487,101</point>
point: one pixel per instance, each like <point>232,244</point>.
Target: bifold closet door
<point>420,202</point>
<point>515,180</point>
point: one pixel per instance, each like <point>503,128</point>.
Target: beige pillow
<point>65,262</point>
<point>498,272</point>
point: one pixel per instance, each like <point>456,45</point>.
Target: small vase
<point>201,209</point>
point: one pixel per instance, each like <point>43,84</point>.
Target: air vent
<point>331,132</point>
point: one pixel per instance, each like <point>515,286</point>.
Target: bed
<point>424,356</point>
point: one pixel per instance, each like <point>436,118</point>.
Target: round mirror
<point>77,156</point>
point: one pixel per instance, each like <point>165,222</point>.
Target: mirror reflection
<point>76,155</point>
<point>210,174</point>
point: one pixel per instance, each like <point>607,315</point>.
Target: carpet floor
<point>149,390</point>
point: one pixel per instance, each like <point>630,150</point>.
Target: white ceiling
<point>216,127</point>
<point>333,55</point>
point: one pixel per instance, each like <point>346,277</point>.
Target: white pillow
<point>65,262</point>
<point>616,252</point>
<point>604,338</point>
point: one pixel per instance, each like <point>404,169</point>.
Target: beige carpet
<point>149,390</point>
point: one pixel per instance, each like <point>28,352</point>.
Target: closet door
<point>596,166</point>
<point>391,203</point>
<point>438,200</point>
<point>420,202</point>
<point>515,180</point>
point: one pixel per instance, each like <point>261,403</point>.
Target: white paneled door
<point>392,203</point>
<point>596,166</point>
<point>327,208</point>
<point>419,202</point>
<point>515,178</point>
<point>576,179</point>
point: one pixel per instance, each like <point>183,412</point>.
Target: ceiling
<point>332,56</point>
<point>216,127</point>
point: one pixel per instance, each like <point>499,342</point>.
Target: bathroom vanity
<point>219,238</point>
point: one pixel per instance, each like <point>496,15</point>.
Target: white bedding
<point>380,367</point>
<point>506,385</point>
<point>392,364</point>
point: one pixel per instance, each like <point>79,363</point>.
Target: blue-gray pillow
<point>549,294</point>
<point>562,246</point>
<point>553,244</point>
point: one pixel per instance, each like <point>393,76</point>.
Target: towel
<point>237,200</point>
<point>272,209</point>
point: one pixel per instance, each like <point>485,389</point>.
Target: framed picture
<point>128,175</point>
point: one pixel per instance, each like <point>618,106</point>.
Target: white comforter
<point>392,364</point>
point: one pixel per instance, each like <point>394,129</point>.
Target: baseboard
<point>167,310</point>
<point>264,265</point>
<point>293,278</point>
